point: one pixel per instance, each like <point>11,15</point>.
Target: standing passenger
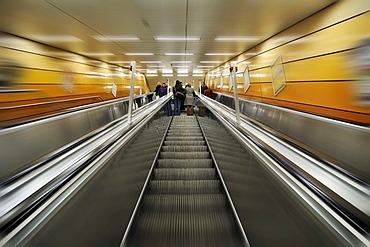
<point>167,107</point>
<point>156,90</point>
<point>177,91</point>
<point>189,99</point>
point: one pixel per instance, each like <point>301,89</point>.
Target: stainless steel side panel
<point>346,143</point>
<point>24,144</point>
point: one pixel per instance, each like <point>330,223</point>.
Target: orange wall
<point>317,56</point>
<point>45,69</point>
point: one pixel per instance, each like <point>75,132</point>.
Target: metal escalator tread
<point>185,204</point>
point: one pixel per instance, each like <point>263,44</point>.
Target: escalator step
<point>184,187</point>
<point>184,143</point>
<point>184,148</point>
<point>184,203</point>
<point>185,163</point>
<point>184,155</point>
<point>184,173</point>
<point>180,134</point>
<point>184,138</point>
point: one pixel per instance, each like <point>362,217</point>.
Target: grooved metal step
<point>184,163</point>
<point>184,204</point>
<point>184,187</point>
<point>184,173</point>
<point>184,148</point>
<point>184,143</point>
<point>184,155</point>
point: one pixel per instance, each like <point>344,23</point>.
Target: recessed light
<point>139,54</point>
<point>176,38</point>
<point>179,54</point>
<point>116,38</point>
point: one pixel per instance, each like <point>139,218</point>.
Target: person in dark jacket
<point>156,90</point>
<point>162,92</point>
<point>178,97</point>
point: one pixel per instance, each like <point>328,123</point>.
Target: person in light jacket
<point>189,99</point>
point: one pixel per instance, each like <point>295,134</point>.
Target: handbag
<point>180,95</point>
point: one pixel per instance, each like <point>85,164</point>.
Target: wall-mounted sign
<point>247,82</point>
<point>221,82</point>
<point>278,76</point>
<point>114,89</point>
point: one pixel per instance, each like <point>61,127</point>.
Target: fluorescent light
<point>236,38</point>
<point>116,38</point>
<point>150,61</point>
<point>151,75</point>
<point>179,54</point>
<point>183,75</point>
<point>169,75</point>
<point>211,62</point>
<point>219,54</point>
<point>98,54</point>
<point>178,38</point>
<point>182,71</point>
<point>167,71</point>
<point>198,71</point>
<point>181,66</point>
<point>205,66</point>
<point>139,54</point>
<point>200,75</point>
<point>180,61</point>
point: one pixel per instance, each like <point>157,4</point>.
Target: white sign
<point>114,89</point>
<point>278,76</point>
<point>247,82</point>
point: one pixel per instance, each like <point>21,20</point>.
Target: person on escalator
<point>156,90</point>
<point>167,107</point>
<point>179,94</point>
<point>189,99</point>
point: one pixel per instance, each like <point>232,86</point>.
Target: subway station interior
<point>268,144</point>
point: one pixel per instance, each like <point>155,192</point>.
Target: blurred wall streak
<point>38,80</point>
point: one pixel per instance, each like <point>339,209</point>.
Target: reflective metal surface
<point>27,143</point>
<point>347,145</point>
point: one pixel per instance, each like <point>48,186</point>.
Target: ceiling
<point>114,31</point>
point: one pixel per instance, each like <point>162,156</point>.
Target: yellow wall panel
<point>330,67</point>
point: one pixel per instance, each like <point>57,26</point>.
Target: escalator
<point>164,187</point>
<point>185,204</point>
